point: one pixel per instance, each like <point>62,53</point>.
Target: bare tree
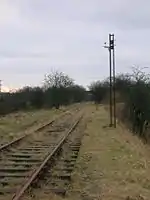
<point>57,79</point>
<point>139,75</point>
<point>57,83</point>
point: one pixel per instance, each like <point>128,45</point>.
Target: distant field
<point>15,124</point>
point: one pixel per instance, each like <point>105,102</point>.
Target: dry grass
<point>15,124</point>
<point>113,164</point>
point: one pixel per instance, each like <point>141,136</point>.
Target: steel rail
<point>7,145</point>
<point>34,175</point>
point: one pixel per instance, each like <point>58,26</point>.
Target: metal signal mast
<point>112,79</point>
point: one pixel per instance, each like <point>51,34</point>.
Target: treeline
<point>133,90</point>
<point>58,89</point>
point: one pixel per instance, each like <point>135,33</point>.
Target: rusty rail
<point>5,146</point>
<point>34,175</point>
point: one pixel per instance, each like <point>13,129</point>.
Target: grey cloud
<point>120,14</point>
<point>18,55</point>
<point>69,35</point>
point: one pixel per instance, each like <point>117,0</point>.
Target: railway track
<point>56,177</point>
<point>22,161</point>
<point>36,129</point>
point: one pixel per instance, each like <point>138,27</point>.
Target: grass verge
<point>113,164</point>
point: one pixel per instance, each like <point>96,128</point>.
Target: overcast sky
<point>39,35</point>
